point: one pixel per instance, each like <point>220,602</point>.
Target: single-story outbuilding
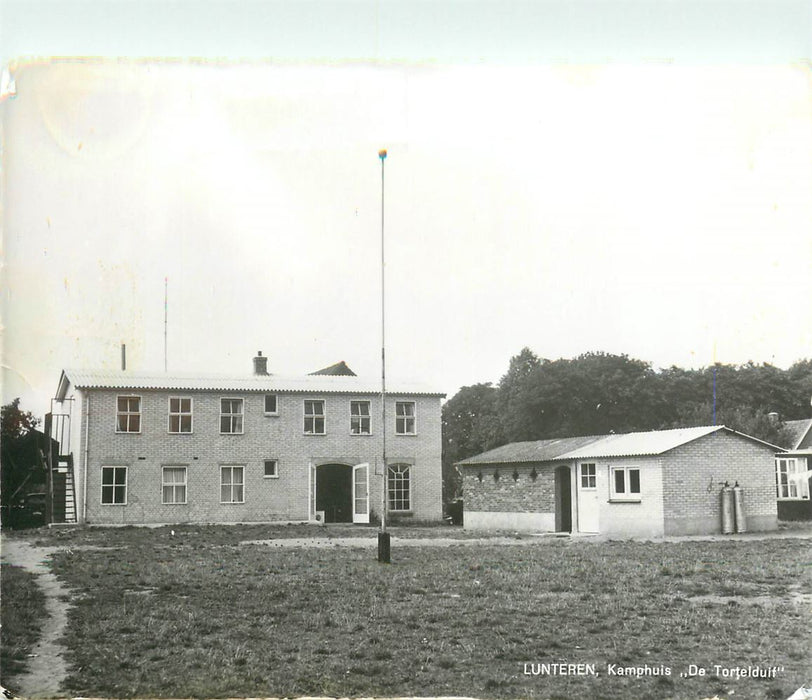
<point>665,482</point>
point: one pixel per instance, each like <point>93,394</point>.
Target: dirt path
<point>47,668</point>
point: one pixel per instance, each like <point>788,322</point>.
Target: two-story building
<point>167,448</point>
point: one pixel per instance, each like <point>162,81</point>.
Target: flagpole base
<point>383,547</point>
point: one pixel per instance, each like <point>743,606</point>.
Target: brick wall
<point>523,495</point>
<point>264,437</point>
<point>692,478</point>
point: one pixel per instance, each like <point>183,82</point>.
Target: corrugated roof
<point>800,431</point>
<point>324,384</point>
<point>652,442</point>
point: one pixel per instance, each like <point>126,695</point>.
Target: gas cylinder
<point>728,522</point>
<point>738,508</point>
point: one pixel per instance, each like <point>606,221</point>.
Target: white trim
<point>126,469</point>
<point>140,414</point>
<point>241,414</point>
<point>231,484</point>
<point>276,398</point>
<point>360,517</point>
<point>180,415</point>
<point>185,484</point>
<point>593,475</point>
<point>413,417</point>
<point>368,416</point>
<point>389,506</point>
<point>275,475</point>
<point>627,496</point>
<point>314,416</point>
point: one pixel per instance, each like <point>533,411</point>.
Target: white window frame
<point>588,471</point>
<point>129,414</point>
<point>361,417</point>
<point>174,485</point>
<point>232,416</point>
<point>230,484</point>
<point>402,420</point>
<point>796,490</point>
<point>314,417</point>
<point>625,495</point>
<point>114,485</point>
<point>265,404</point>
<point>275,474</point>
<point>390,472</point>
<point>180,414</point>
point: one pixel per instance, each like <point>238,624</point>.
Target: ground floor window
<point>114,486</point>
<point>232,484</point>
<point>791,481</point>
<point>399,487</point>
<point>625,483</point>
<point>174,485</point>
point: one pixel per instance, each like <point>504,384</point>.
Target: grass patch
<point>185,617</point>
<point>22,609</point>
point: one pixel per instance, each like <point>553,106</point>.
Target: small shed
<point>645,484</point>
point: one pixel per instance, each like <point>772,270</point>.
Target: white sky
<point>614,190</point>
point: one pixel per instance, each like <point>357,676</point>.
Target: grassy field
<point>198,615</point>
<point>23,607</point>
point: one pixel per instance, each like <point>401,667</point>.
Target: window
<point>128,414</point>
<point>400,487</point>
<point>114,486</point>
<point>231,416</point>
<point>180,414</point>
<point>271,468</point>
<point>232,485</point>
<point>271,408</point>
<point>174,485</point>
<point>588,476</point>
<point>625,483</point>
<point>314,417</point>
<point>790,480</point>
<point>359,417</point>
<point>404,418</point>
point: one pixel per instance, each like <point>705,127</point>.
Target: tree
<point>15,422</point>
<point>470,426</point>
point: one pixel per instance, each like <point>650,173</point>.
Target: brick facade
<point>280,437</point>
<point>693,476</point>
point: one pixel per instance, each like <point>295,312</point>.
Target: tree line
<point>599,393</point>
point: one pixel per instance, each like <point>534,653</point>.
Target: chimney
<point>260,364</point>
<point>123,357</point>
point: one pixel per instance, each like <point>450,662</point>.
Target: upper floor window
<point>588,476</point>
<point>231,415</point>
<point>791,481</point>
<point>128,414</point>
<point>180,414</point>
<point>625,483</point>
<point>271,468</point>
<point>359,417</point>
<point>404,418</point>
<point>314,417</point>
<point>271,406</point>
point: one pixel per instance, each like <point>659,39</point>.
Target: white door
<point>311,492</point>
<point>360,493</point>
<point>588,512</point>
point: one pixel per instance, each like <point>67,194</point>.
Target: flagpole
<point>383,535</point>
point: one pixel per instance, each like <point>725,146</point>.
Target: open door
<point>360,493</point>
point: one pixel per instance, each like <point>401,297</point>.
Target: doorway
<point>563,500</point>
<point>334,492</point>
